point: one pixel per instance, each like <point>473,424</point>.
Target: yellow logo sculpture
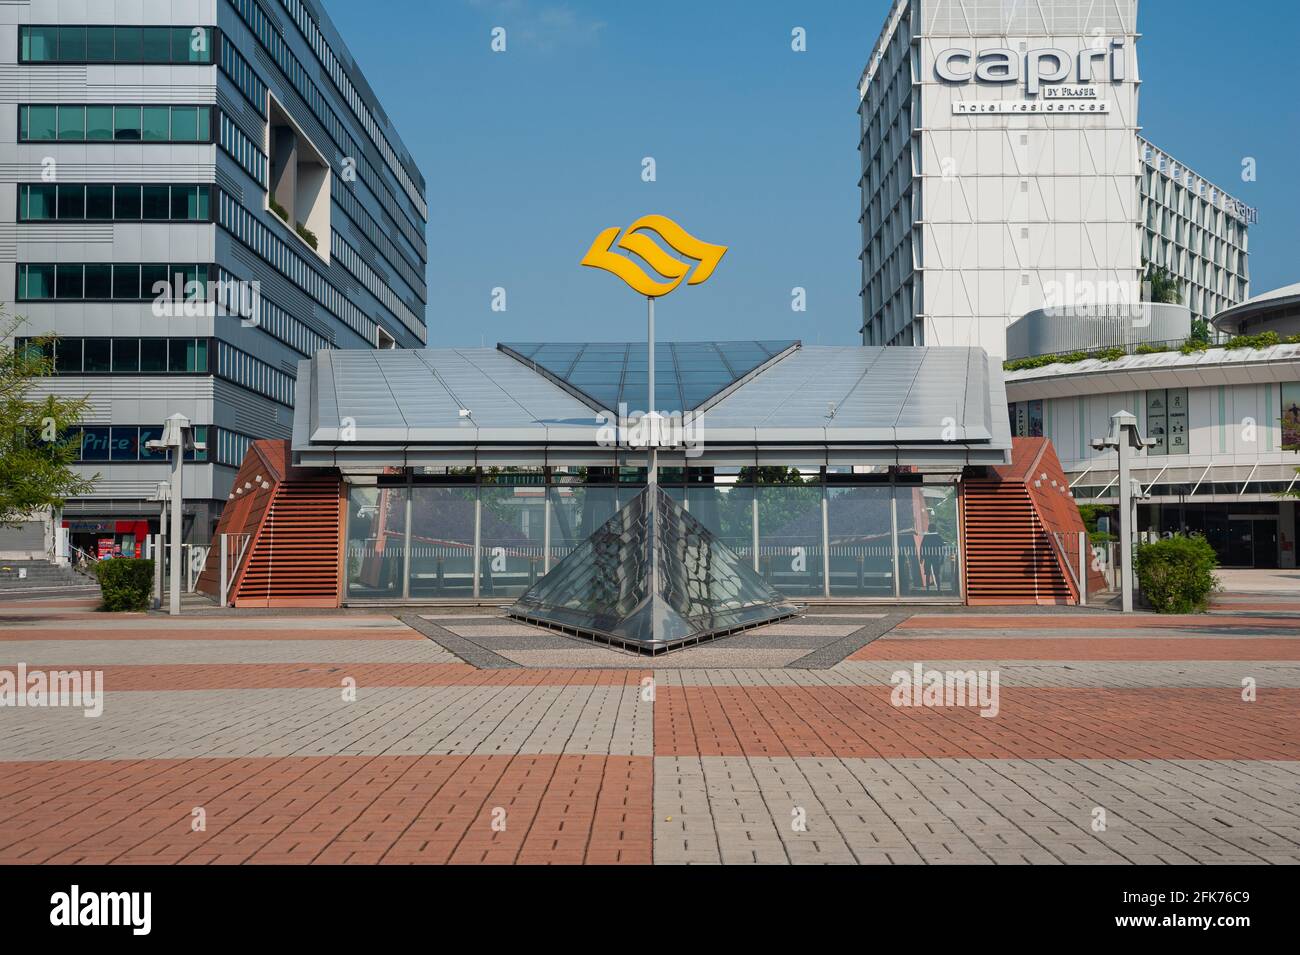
<point>601,255</point>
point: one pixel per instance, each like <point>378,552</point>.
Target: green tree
<point>1200,333</point>
<point>37,447</point>
<point>1162,287</point>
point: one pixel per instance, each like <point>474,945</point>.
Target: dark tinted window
<point>70,282</point>
<point>126,281</point>
<point>99,281</point>
<point>98,354</point>
<point>99,202</point>
<point>128,202</point>
<point>126,444</point>
<point>67,355</point>
<point>153,354</point>
<point>126,354</point>
<point>72,202</point>
<point>99,44</point>
<point>94,444</point>
<point>156,204</point>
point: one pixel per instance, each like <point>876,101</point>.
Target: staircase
<point>41,575</point>
<point>295,555</point>
<point>1009,556</point>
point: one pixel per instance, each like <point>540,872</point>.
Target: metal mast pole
<point>652,469</point>
<point>177,496</point>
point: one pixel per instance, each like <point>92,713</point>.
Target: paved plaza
<point>461,736</point>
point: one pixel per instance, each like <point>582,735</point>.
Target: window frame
<point>118,32</point>
<point>210,110</point>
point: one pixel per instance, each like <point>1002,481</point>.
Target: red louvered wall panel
<point>295,552</point>
<point>1008,518</point>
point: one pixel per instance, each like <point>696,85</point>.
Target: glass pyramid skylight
<point>651,579</point>
<point>687,374</point>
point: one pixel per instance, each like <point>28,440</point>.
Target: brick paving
<point>357,738</point>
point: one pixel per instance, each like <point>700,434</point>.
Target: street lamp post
<point>1124,438</point>
<point>177,438</point>
<point>159,558</point>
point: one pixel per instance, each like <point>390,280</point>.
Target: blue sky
<point>528,154</point>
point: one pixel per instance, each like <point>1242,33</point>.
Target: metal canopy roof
<point>836,404</point>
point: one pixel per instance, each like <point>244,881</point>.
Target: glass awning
<point>687,374</point>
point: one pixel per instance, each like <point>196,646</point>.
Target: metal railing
<point>232,558</point>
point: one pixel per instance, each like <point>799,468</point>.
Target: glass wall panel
<point>376,546</point>
<point>442,542</point>
<point>927,541</point>
<point>790,538</point>
<point>576,512</point>
<point>861,541</point>
<point>727,510</point>
<point>512,534</point>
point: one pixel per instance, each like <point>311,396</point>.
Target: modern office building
<point>231,149</point>
<point>788,473</point>
<point>1004,171</point>
<point>1226,425</point>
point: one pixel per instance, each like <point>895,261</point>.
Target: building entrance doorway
<point>1252,542</point>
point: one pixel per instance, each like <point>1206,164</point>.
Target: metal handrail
<point>1059,546</point>
<point>229,568</point>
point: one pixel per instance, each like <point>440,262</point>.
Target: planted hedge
<point>1176,575</point>
<point>125,583</point>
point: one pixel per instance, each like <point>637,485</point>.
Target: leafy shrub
<point>278,209</point>
<point>1176,575</point>
<point>125,583</point>
<point>306,234</point>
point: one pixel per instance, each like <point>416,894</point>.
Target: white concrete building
<point>1226,424</point>
<point>1003,171</point>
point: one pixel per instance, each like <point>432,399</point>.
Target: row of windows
<point>243,75</point>
<point>242,150</point>
<point>409,263</point>
<point>130,443</point>
<point>282,326</point>
<point>378,287</point>
<point>320,46</point>
<point>275,45</point>
<point>120,124</point>
<point>75,202</point>
<point>138,356</point>
<point>162,356</point>
<point>255,375</point>
<point>106,44</point>
<point>127,282</point>
<point>244,226</point>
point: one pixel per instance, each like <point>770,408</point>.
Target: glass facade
<point>494,535</point>
<point>108,44</point>
<point>611,374</point>
<point>67,122</point>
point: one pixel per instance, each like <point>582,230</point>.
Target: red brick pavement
<point>1088,723</point>
<point>355,809</point>
<point>1091,621</point>
<point>205,634</point>
<point>1081,648</point>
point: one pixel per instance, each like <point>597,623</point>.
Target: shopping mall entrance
<point>1247,534</point>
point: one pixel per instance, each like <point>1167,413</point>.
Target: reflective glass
<point>927,540</point>
<point>376,542</point>
<point>790,538</point>
<point>512,535</point>
<point>442,542</point>
<point>860,523</point>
